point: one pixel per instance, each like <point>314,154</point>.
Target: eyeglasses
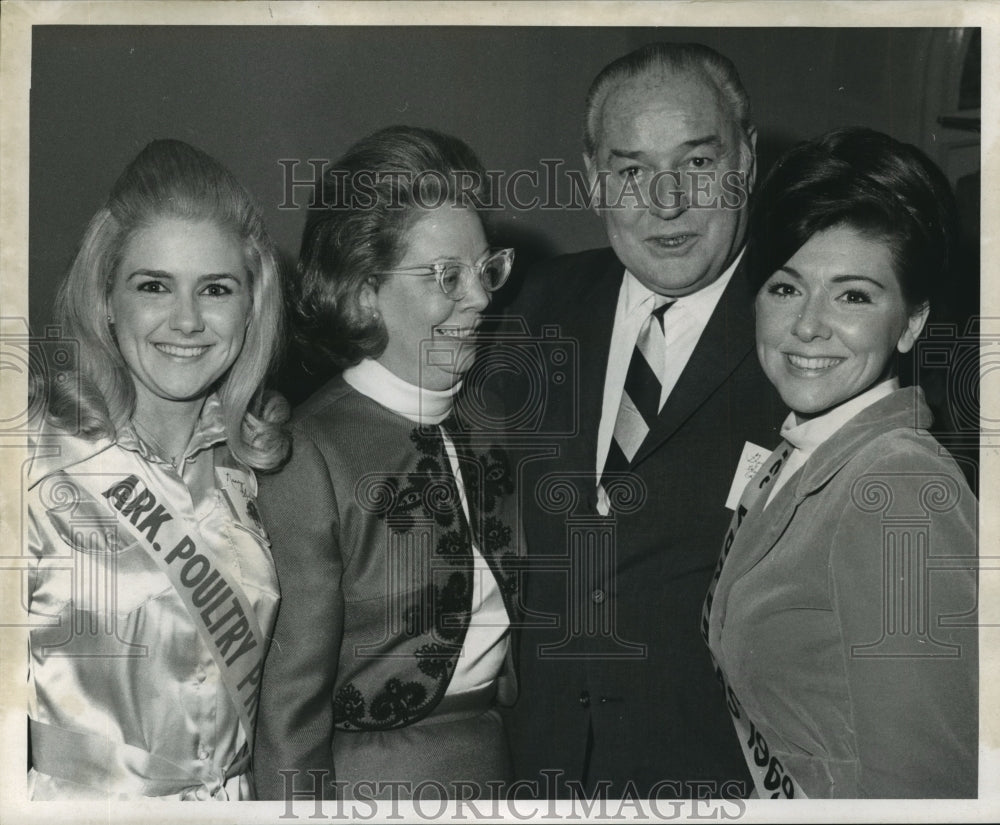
<point>455,277</point>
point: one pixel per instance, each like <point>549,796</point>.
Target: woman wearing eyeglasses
<point>393,524</point>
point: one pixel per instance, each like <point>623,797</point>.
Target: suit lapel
<point>726,341</point>
<point>590,326</point>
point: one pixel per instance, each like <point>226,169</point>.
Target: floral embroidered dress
<point>126,698</point>
<point>394,536</point>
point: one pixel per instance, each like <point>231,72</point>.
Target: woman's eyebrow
<point>151,273</point>
<point>840,279</point>
<point>217,276</point>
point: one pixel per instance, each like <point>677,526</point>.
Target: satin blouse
<point>114,653</point>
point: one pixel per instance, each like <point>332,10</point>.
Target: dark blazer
<point>616,682</point>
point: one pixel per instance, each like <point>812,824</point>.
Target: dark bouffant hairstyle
<point>866,180</point>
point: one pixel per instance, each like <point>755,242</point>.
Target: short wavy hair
<point>679,58</point>
<point>856,177</point>
<point>170,178</point>
<point>357,231</point>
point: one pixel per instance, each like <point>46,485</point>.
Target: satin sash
<point>212,594</point>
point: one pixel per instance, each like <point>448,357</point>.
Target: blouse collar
<point>808,435</point>
<point>418,404</point>
<point>54,449</point>
<point>208,431</point>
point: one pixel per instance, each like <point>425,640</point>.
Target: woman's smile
<point>181,350</point>
<point>815,364</point>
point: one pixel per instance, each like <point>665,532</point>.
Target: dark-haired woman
<point>393,525</point>
<point>843,616</point>
<point>153,590</point>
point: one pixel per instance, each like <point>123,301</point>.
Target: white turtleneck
<point>485,648</point>
<point>805,437</point>
<point>418,404</point>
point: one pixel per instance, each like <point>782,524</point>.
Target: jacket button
<point>598,596</point>
<point>585,698</point>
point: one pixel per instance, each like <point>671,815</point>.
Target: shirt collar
<point>903,409</point>
<point>700,304</point>
<point>418,404</point>
<point>54,449</point>
<point>208,431</point>
<point>808,435</point>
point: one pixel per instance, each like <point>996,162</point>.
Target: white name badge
<point>751,459</point>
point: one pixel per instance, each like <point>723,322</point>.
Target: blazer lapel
<point>756,537</point>
<point>726,341</point>
<point>752,529</point>
<point>761,529</point>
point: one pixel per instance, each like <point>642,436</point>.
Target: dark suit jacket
<point>616,683</point>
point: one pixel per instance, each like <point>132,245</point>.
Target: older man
<point>618,694</point>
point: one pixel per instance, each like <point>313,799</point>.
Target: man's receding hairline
<point>657,75</point>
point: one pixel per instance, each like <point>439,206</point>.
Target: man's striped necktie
<point>640,402</point>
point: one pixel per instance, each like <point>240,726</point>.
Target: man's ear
<point>914,326</point>
<point>752,166</point>
<point>590,164</point>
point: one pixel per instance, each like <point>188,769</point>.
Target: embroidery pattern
<point>439,611</point>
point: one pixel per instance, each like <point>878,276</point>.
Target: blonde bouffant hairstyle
<point>171,179</point>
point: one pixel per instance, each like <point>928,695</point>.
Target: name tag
<point>751,459</point>
<point>238,491</point>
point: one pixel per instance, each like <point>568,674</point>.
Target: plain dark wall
<point>252,96</point>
